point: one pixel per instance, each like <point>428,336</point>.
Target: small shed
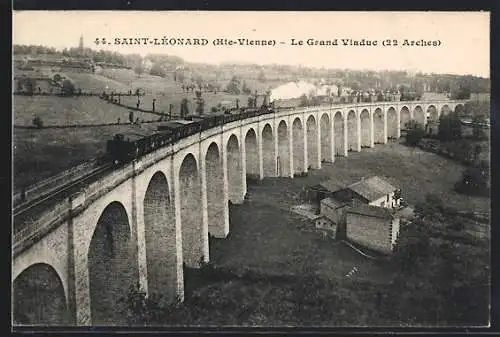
<point>328,227</point>
<point>332,209</point>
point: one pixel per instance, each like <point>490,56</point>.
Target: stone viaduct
<point>144,221</point>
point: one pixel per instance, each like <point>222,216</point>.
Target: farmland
<point>95,82</point>
<point>62,111</point>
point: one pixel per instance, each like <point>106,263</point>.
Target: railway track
<point>59,192</point>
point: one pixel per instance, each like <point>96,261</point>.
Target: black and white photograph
<point>250,169</point>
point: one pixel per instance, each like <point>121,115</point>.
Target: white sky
<point>464,36</point>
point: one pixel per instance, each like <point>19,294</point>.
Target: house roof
<point>373,211</point>
<point>318,187</point>
<point>372,188</point>
<point>333,203</point>
<point>332,185</point>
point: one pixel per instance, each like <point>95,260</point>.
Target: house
<point>335,212</point>
<point>374,227</point>
<point>374,191</point>
<point>363,212</point>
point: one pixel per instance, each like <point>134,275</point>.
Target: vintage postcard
<point>251,169</point>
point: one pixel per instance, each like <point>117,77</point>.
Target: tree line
<point>451,142</point>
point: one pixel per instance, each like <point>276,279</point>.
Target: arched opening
<point>113,269</point>
<point>419,116</point>
<point>234,170</point>
<point>38,297</point>
<point>445,110</point>
<point>431,126</point>
<point>159,225</point>
<point>268,155</point>
<point>191,218</point>
<point>378,126</point>
<point>404,117</point>
<point>215,192</point>
<point>326,139</point>
<point>252,155</point>
<point>283,150</point>
<point>392,123</point>
<point>352,131</point>
<point>459,110</point>
<point>312,143</point>
<point>338,129</point>
<point>298,146</point>
<point>365,128</point>
<point>433,114</point>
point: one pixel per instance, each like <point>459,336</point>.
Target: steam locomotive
<point>128,146</point>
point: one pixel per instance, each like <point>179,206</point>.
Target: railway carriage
<point>128,146</point>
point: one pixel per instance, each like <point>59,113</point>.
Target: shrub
<point>38,122</point>
<point>449,127</point>
<point>415,132</point>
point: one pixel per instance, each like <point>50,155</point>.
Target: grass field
<point>267,235</point>
<point>56,110</point>
<point>95,82</point>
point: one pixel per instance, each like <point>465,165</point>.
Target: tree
<point>304,101</point>
<point>415,132</point>
<point>38,122</point>
<point>184,108</point>
<point>450,127</point>
<point>157,70</point>
<point>233,86</point>
<point>262,76</point>
<point>139,69</point>
<point>68,88</point>
<point>463,92</point>
<point>477,128</point>
<point>19,85</point>
<point>478,149</point>
<point>475,179</point>
<point>200,106</point>
<point>245,89</point>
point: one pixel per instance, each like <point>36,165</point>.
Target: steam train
<point>128,146</point>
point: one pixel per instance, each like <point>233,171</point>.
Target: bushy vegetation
<point>26,84</point>
<point>475,180</point>
<point>38,122</point>
<point>233,87</point>
<point>443,272</point>
<point>450,127</point>
<point>415,132</point>
<point>157,70</point>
